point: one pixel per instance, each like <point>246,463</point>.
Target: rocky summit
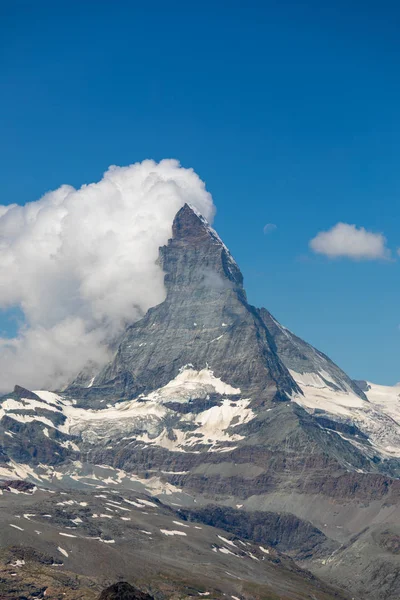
<point>214,438</point>
<point>205,322</point>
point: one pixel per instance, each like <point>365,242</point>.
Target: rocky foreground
<point>71,545</point>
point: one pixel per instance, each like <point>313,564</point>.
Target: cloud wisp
<point>269,228</point>
<point>349,241</point>
<point>80,264</point>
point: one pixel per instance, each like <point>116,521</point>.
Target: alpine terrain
<point>217,455</point>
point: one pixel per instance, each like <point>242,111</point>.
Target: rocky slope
<point>208,400</point>
<point>73,544</point>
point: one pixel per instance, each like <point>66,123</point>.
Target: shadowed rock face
<point>28,444</point>
<point>285,532</point>
<point>21,392</point>
<point>17,484</point>
<point>204,321</point>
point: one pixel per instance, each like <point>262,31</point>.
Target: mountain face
<point>210,401</point>
<point>204,322</point>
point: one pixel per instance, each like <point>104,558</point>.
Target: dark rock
<point>21,392</point>
<point>31,446</point>
<point>295,537</point>
<point>17,484</point>
<point>390,542</point>
<point>27,553</point>
<point>350,430</point>
<point>123,591</point>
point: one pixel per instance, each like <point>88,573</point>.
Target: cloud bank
<point>80,264</point>
<point>349,241</point>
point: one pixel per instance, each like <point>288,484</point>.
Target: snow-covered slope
<point>147,419</point>
<point>385,398</point>
<point>151,420</point>
<point>377,417</point>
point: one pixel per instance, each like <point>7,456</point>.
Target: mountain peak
<point>189,224</point>
<point>204,321</point>
<point>194,236</point>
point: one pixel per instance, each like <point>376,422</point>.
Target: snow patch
<point>227,541</point>
<point>180,524</point>
<point>190,384</point>
<point>147,503</point>
<point>226,551</point>
<point>172,532</point>
<point>18,563</point>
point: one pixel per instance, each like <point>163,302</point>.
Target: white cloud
<point>349,241</point>
<point>81,263</point>
<point>269,227</point>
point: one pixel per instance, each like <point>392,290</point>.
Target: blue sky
<point>289,113</point>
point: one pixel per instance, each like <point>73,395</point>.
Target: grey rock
<point>363,385</point>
